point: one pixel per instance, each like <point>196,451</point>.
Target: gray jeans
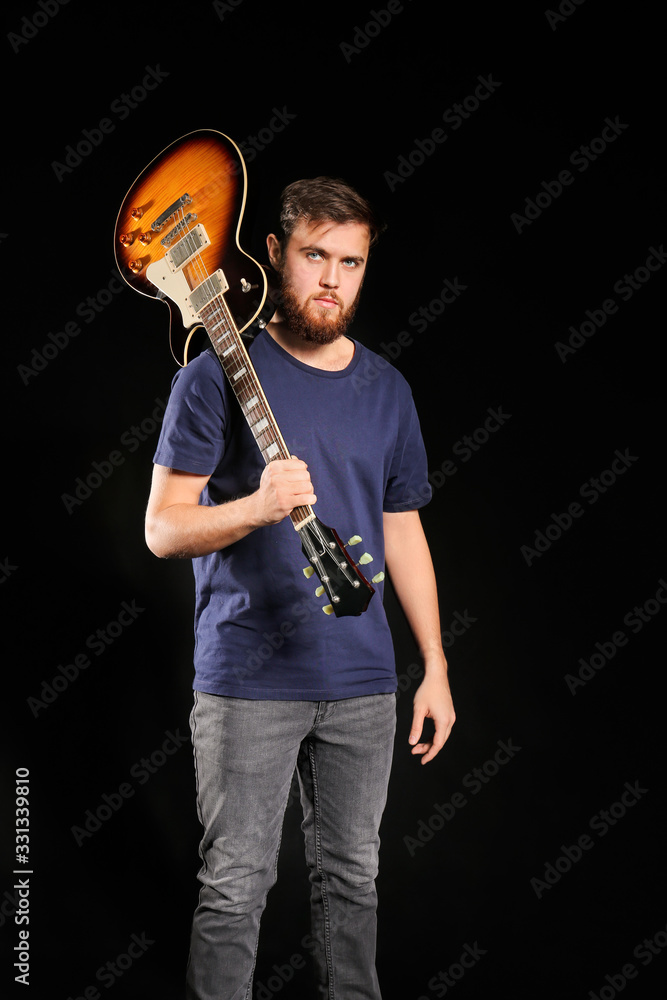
<point>245,755</point>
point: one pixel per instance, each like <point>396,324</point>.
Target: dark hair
<point>322,199</point>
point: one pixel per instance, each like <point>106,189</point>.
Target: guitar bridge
<point>167,240</point>
<point>185,199</point>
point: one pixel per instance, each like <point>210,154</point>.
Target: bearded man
<point>278,685</point>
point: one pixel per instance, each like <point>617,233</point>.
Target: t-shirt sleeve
<point>408,487</point>
<point>192,438</point>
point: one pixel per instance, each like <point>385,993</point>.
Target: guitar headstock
<point>348,590</point>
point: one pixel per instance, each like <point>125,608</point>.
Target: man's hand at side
<point>433,700</point>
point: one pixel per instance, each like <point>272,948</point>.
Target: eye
<point>314,255</point>
<point>351,262</point>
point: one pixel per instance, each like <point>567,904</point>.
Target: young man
<point>279,685</point>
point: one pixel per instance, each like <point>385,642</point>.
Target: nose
<point>329,275</point>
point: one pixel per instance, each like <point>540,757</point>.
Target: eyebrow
<point>325,253</point>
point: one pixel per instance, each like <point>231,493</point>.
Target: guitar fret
<point>245,383</point>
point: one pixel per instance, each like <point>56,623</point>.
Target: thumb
<point>417,725</point>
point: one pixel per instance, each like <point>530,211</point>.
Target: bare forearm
<point>184,531</point>
<point>411,570</point>
<point>179,527</point>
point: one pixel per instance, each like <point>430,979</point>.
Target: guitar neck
<point>242,377</point>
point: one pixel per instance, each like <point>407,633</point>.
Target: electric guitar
<point>177,240</point>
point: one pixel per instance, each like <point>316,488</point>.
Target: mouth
<point>326,302</point>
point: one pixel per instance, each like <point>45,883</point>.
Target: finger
<point>418,716</point>
<point>433,749</point>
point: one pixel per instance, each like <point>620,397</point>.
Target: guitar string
<point>219,308</point>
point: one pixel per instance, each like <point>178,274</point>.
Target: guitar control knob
<point>136,266</point>
<point>145,239</point>
<point>137,213</point>
<point>126,239</point>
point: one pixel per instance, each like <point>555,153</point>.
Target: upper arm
<point>401,530</point>
<point>171,486</point>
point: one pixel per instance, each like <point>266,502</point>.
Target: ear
<point>273,247</point>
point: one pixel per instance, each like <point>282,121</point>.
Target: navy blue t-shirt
<point>260,631</point>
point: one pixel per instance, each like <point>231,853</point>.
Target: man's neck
<point>328,357</point>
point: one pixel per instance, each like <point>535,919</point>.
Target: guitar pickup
<point>187,247</point>
<point>216,284</point>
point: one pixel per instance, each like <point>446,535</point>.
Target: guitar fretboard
<point>242,377</point>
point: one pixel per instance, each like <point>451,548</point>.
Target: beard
<point>311,322</point>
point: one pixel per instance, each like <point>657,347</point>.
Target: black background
<point>357,99</point>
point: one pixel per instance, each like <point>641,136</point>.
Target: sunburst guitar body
<point>179,224</point>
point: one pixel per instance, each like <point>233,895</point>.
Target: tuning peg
<point>378,578</point>
<point>308,572</point>
<point>328,609</point>
<point>365,559</point>
<point>319,591</point>
<point>354,540</point>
